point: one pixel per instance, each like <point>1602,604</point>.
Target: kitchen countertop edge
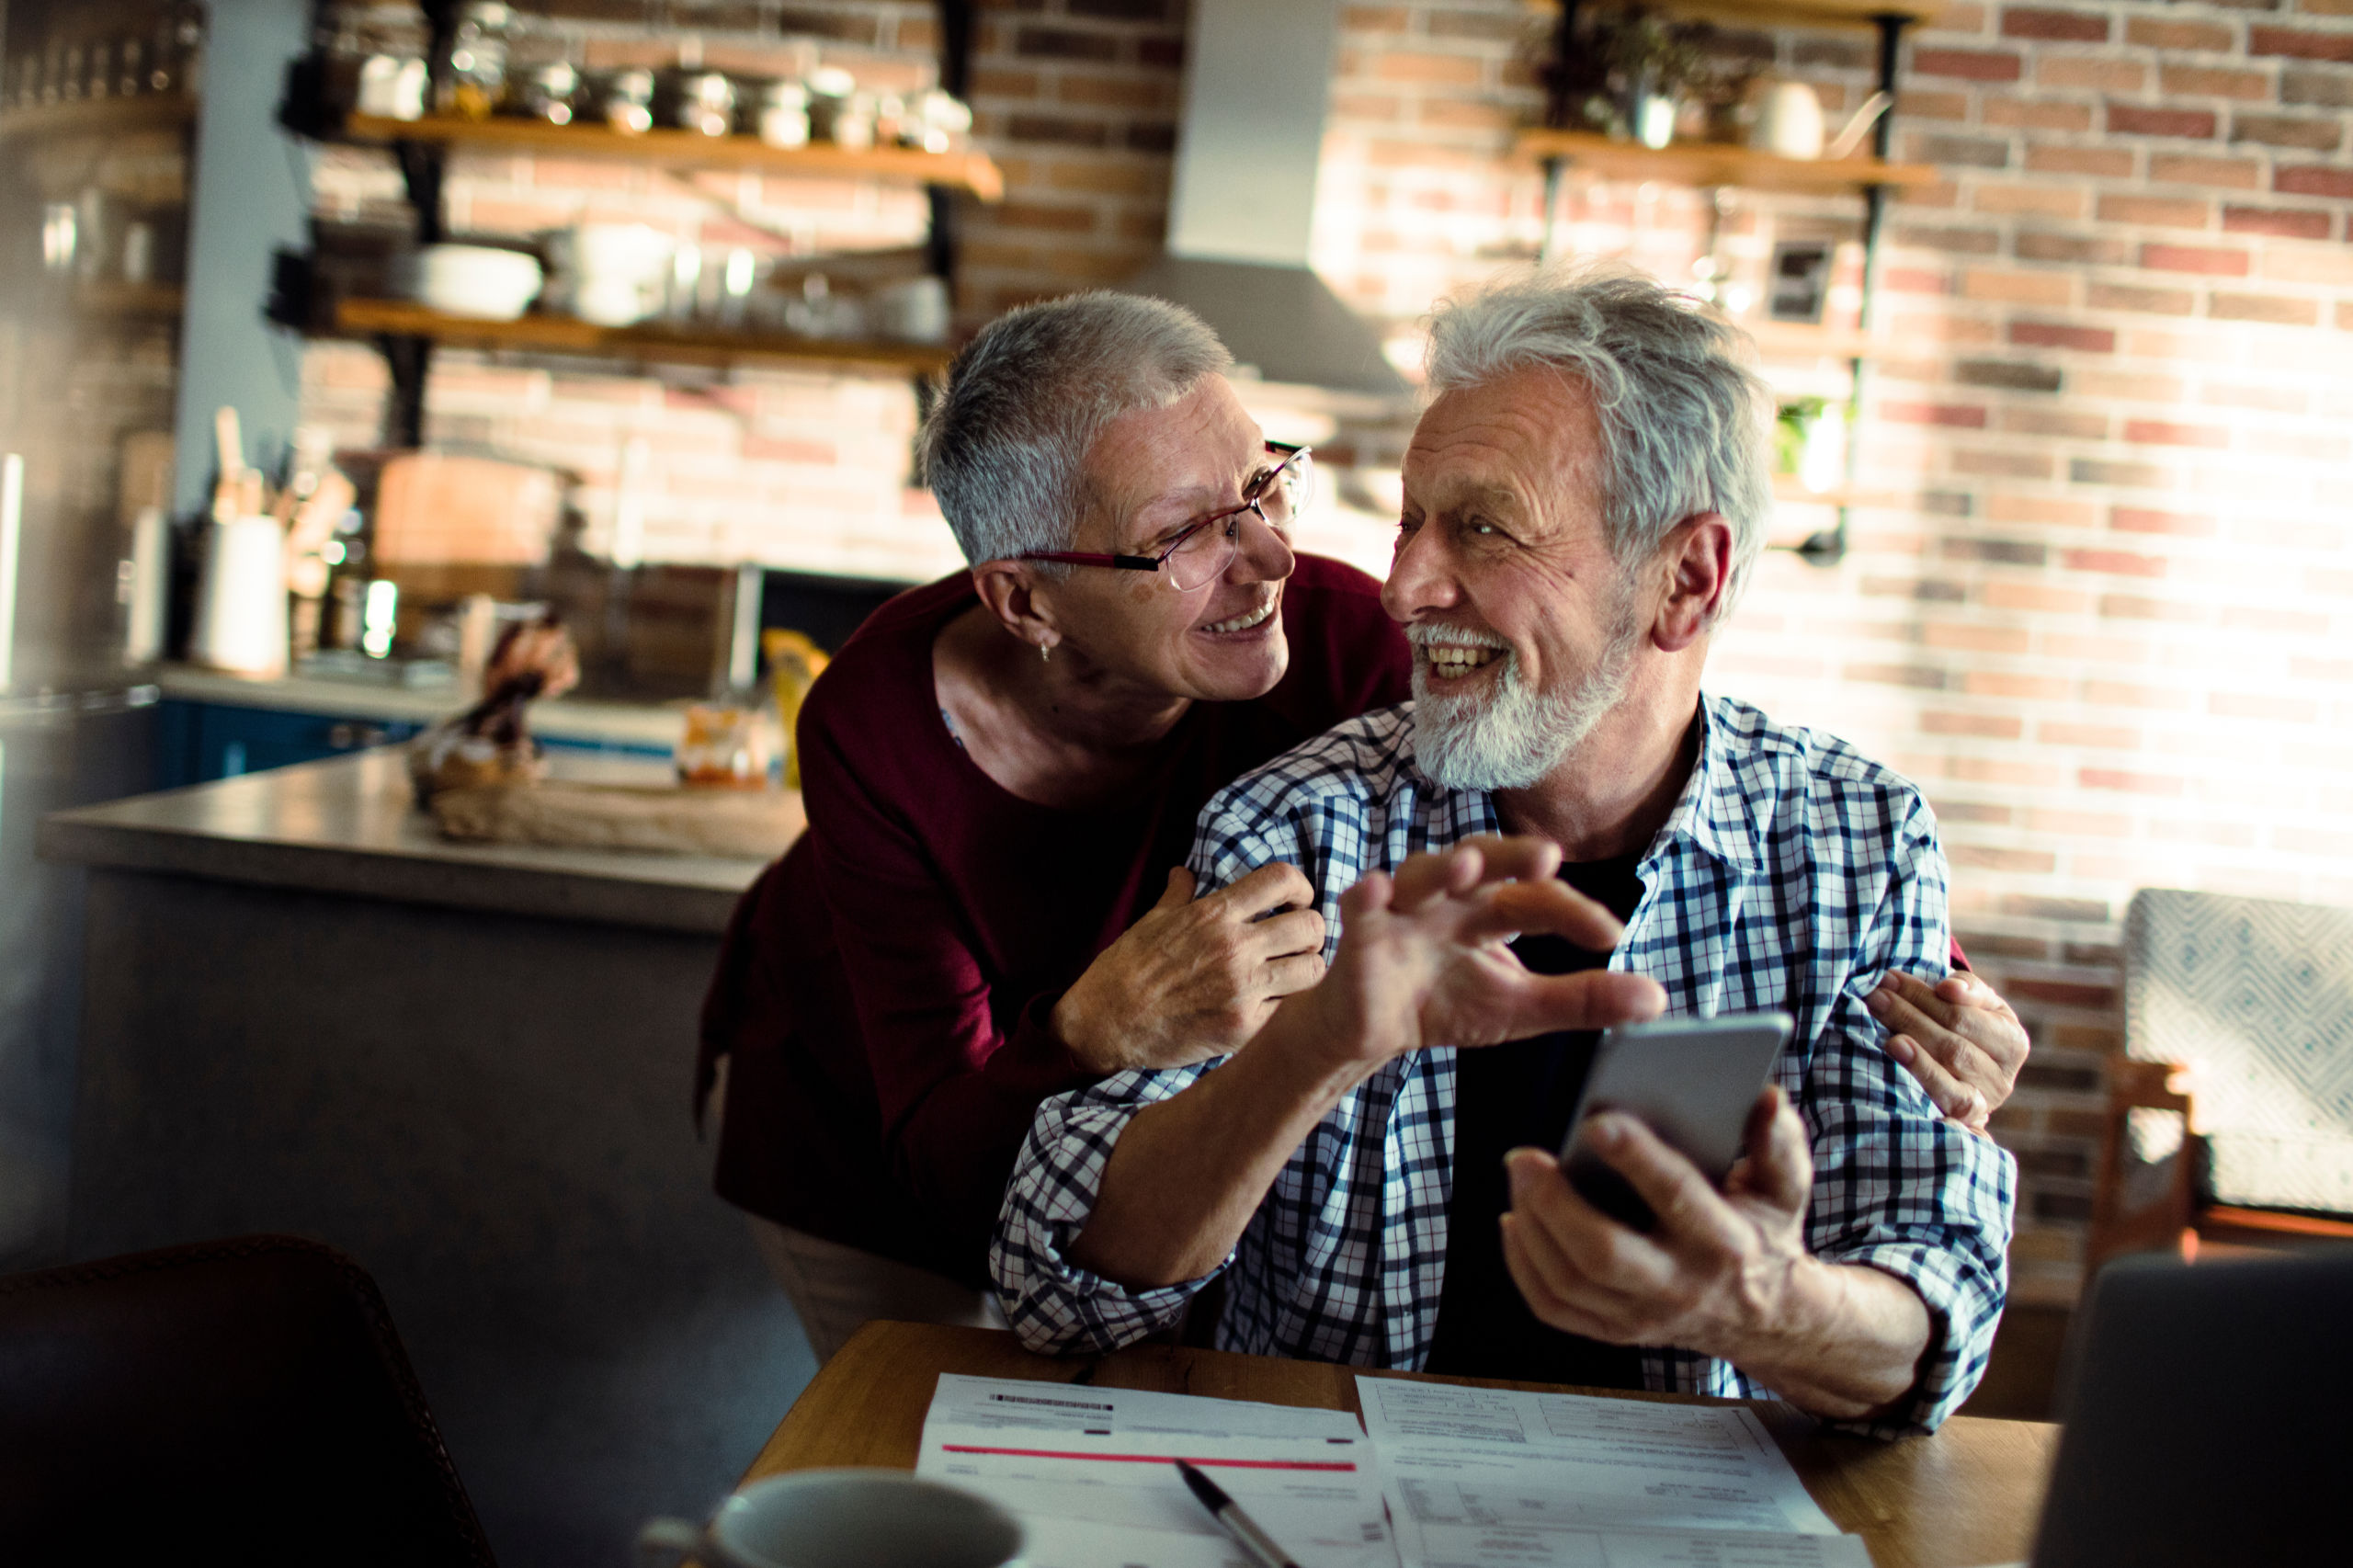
<point>501,889</point>
<point>344,827</point>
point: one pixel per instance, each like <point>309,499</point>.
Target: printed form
<point>1092,1474</point>
<point>1481,1478</point>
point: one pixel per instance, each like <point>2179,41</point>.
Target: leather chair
<point>244,1400</point>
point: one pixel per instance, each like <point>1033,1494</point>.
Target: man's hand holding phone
<point>1725,1272</point>
<point>1722,1273</point>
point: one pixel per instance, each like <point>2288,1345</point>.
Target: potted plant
<point>1628,71</point>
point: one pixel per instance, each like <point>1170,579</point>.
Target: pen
<point>1237,1524</point>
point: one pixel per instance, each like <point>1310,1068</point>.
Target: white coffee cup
<point>844,1519</point>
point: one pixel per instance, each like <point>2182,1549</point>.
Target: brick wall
<point>2101,591</point>
<point>2102,586</point>
<point>2104,612</point>
<point>1077,101</point>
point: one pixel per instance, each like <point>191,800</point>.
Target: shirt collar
<point>1712,813</point>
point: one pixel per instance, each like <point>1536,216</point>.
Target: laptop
<point>2208,1413</point>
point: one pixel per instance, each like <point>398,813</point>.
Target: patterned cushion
<point>2255,996</point>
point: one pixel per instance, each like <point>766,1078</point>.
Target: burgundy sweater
<point>884,991</point>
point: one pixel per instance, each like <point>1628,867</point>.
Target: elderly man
<point>1583,499</point>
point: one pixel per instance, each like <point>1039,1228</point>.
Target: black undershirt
<point>1507,1096</point>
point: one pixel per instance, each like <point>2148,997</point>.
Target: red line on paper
<point>1146,1459</point>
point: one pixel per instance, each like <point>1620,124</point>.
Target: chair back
<point>246,1400</point>
<point>2256,997</point>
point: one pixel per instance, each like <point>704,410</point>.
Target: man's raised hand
<point>1424,957</point>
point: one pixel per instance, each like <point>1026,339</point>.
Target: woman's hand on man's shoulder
<point>1195,978</point>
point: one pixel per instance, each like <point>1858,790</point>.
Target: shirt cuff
<point>1054,1305</point>
<point>1964,1308</point>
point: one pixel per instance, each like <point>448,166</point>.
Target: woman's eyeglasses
<point>1201,551</point>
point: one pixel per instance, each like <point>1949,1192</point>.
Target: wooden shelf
<point>1784,13</point>
<point>691,345</point>
<point>1710,163</point>
<point>683,149</point>
<point>98,117</point>
<point>116,299</point>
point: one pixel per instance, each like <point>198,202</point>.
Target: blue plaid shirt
<point>1792,873</point>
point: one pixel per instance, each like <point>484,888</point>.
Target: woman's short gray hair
<point>1005,447</point>
<point>1683,419</point>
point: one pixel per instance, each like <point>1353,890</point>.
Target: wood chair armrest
<point>2141,1085</point>
<point>2151,1086</point>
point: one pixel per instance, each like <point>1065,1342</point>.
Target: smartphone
<point>1691,1081</point>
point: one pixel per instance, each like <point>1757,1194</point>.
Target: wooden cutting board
<point>653,819</point>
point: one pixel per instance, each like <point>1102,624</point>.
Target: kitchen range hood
<point>1255,93</point>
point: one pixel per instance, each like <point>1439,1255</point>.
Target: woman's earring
<point>1045,652</point>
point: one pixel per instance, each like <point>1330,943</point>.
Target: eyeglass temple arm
<point>1082,558</point>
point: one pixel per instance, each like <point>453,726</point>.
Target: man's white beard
<point>1514,740</point>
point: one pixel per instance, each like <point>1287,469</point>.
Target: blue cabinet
<point>198,741</point>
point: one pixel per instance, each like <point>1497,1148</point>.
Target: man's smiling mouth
<point>1453,651</point>
<point>1451,661</point>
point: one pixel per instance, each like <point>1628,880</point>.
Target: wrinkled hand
<point>1195,978</point>
<point>1957,1037</point>
<point>1715,1274</point>
<point>1424,957</point>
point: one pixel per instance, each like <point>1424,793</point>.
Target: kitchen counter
<point>348,827</point>
<point>470,1066</point>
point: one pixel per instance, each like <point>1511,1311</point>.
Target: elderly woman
<point>1002,772</point>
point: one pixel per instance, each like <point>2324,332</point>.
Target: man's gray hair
<point>1683,419</point>
<point>1005,447</point>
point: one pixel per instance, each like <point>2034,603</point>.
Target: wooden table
<point>1967,1496</point>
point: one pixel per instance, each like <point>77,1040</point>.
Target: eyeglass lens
<point>1202,559</point>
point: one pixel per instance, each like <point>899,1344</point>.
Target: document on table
<point>1092,1474</point>
<point>1483,1477</point>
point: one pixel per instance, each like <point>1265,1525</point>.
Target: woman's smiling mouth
<point>1246,621</point>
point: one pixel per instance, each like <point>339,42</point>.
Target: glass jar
<point>473,81</point>
<point>721,747</point>
<point>784,114</point>
<point>175,50</point>
<point>830,87</point>
<point>854,122</point>
<point>704,104</point>
<point>162,58</point>
<point>551,93</point>
<point>941,123</point>
<point>629,101</point>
